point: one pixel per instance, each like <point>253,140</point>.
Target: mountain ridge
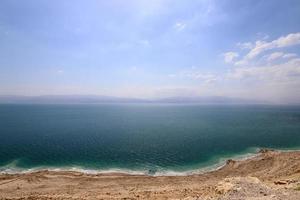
<point>94,99</point>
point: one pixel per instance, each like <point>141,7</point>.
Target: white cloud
<point>285,72</point>
<point>60,71</point>
<point>274,76</point>
<point>289,55</point>
<point>179,26</point>
<point>289,40</point>
<point>245,45</point>
<point>279,55</point>
<point>229,57</point>
<point>195,74</point>
<point>263,36</point>
<point>259,47</point>
<point>242,62</point>
<point>277,83</point>
<point>275,56</point>
<point>284,41</point>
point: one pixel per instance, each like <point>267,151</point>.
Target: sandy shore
<point>269,175</point>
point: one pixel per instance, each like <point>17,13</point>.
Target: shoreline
<point>270,174</point>
<point>9,169</point>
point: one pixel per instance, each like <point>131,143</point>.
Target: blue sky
<point>150,49</point>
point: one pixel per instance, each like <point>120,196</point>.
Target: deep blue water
<point>140,136</point>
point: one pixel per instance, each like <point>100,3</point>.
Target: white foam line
<point>12,168</point>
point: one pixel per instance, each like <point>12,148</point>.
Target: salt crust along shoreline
<point>270,174</point>
<point>12,168</point>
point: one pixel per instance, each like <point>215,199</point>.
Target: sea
<point>153,139</point>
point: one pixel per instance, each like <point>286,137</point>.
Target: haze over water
<point>140,137</point>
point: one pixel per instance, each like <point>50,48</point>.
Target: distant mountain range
<point>94,99</point>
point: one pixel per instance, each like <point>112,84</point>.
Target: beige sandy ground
<point>270,175</point>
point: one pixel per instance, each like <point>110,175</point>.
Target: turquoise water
<point>140,137</point>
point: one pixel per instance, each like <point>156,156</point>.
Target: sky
<point>151,49</point>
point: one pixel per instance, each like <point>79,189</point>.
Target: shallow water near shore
<point>140,138</point>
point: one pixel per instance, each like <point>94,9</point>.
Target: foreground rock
<point>270,175</point>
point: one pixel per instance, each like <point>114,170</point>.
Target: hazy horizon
<point>151,49</point>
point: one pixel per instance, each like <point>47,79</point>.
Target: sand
<point>269,175</point>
